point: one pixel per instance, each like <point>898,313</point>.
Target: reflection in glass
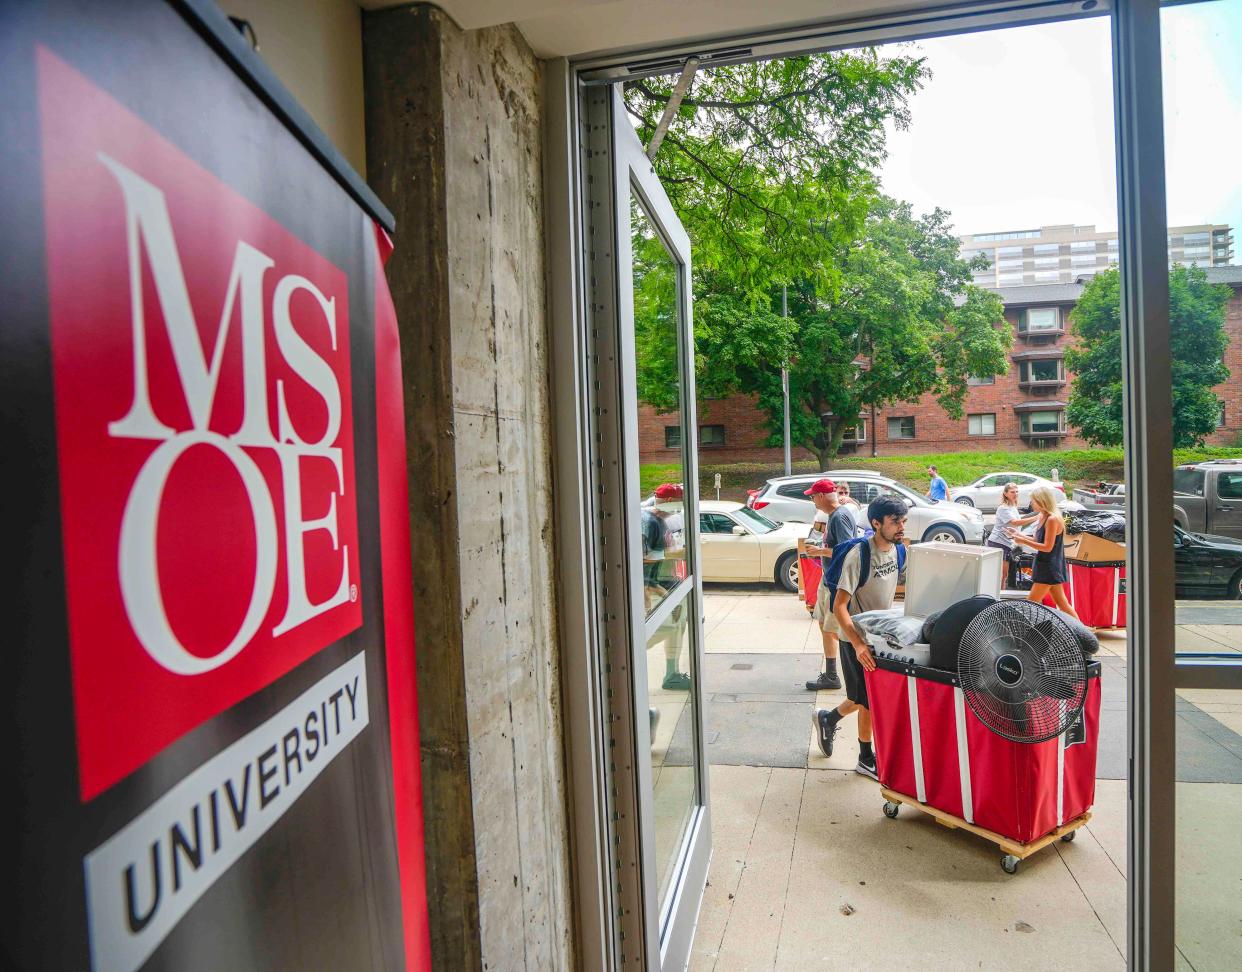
<point>1204,196</point>
<point>672,738</point>
<point>656,324</point>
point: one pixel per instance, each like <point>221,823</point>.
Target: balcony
<point>1056,435</point>
<point>1041,334</point>
<point>1041,384</point>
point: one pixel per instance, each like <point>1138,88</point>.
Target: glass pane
<point>1204,199</point>
<point>661,464</point>
<point>674,791</point>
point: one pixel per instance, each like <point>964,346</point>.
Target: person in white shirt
<point>1007,515</point>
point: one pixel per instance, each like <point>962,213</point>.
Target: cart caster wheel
<point>1069,838</point>
<point>1009,864</point>
<point>890,809</point>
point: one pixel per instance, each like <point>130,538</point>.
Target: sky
<point>1014,130</point>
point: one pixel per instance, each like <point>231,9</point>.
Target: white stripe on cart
<point>1116,593</point>
<point>963,755</point>
<point>916,738</point>
<point>1061,777</point>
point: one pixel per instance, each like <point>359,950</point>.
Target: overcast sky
<point>1015,128</point>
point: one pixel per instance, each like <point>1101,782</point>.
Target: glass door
<point>650,586</point>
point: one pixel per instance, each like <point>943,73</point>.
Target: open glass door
<point>649,582</point>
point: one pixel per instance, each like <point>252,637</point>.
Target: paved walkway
<point>807,872</point>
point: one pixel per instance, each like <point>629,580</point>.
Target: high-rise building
<point>1064,254</point>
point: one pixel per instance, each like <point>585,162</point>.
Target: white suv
<point>784,499</point>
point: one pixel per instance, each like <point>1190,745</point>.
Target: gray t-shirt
<point>881,587</point>
<point>841,526</point>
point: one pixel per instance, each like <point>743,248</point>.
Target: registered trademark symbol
<point>353,592</point>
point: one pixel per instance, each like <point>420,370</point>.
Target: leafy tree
<point>1197,342</point>
<point>770,165</point>
<point>906,322</point>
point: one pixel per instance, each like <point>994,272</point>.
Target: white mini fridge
<point>940,574</point>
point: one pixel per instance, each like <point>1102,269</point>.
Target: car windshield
<point>756,521</point>
<point>904,493</point>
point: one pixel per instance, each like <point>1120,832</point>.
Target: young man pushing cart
<point>863,576</point>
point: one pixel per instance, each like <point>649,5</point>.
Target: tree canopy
<point>770,165</point>
<point>771,168</point>
<point>1197,342</point>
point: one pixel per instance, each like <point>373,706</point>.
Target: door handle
<point>1224,509</point>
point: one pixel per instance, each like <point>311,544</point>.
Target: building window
<point>1040,423</point>
<point>672,437</point>
<point>984,424</point>
<point>901,428</point>
<point>857,434</point>
<point>1041,370</point>
<point>1220,418</point>
<point>711,435</point>
<point>1035,319</point>
<point>1083,246</point>
<point>1043,249</point>
<point>975,380</point>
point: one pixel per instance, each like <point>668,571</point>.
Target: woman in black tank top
<point>1049,574</point>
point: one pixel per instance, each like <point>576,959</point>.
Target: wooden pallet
<point>1012,848</point>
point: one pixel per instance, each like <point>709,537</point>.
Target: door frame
<point>1155,670</point>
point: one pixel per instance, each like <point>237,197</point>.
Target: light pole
<point>785,383</point>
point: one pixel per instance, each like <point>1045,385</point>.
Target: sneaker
<point>825,731</point>
<point>868,768</point>
<point>826,680</point>
<point>676,682</point>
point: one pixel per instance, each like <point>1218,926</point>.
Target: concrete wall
<point>454,148</point>
<point>315,48</point>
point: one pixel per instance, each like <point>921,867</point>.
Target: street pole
<point>785,384</point>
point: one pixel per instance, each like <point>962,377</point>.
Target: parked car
<point>739,545</point>
<point>985,492</point>
<point>1207,497</point>
<point>783,499</point>
<point>1206,565</point>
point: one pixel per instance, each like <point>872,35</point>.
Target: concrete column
<point>454,149</point>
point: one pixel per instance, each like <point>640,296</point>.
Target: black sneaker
<point>676,682</point>
<point>867,767</point>
<point>826,680</point>
<point>825,731</point>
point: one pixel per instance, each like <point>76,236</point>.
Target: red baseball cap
<point>821,486</point>
<point>669,491</point>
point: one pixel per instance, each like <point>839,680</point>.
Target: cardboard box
<point>1087,548</point>
<point>940,574</point>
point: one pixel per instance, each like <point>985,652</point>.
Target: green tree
<point>1197,342</point>
<point>906,321</point>
<point>770,166</point>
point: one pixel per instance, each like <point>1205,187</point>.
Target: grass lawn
<point>1075,467</point>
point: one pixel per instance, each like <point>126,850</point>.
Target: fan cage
<point>1022,671</point>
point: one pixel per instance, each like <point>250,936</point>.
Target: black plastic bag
<point>1100,523</point>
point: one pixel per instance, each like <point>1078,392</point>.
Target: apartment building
<point>1023,409</point>
<point>1064,254</point>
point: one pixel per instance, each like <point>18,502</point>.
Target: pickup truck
<point>1103,496</point>
<point>1207,497</point>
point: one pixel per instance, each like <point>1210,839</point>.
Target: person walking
<point>870,571</point>
<point>1007,515</point>
<point>938,490</point>
<point>838,526</point>
<point>852,506</point>
<point>1049,574</point>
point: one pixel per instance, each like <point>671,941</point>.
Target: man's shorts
<point>852,673</point>
<point>823,613</point>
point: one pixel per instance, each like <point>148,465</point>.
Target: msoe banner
<point>211,635</point>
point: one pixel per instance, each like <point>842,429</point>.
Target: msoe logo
<point>205,433</point>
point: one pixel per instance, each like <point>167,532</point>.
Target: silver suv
<point>784,499</point>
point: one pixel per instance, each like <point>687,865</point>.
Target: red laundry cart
<point>1098,593</point>
<point>812,571</point>
<point>935,754</point>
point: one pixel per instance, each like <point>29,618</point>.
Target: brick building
<point>1024,409</point>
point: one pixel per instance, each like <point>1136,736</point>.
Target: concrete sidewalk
<point>808,873</point>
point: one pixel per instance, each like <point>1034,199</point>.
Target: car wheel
<point>944,533</point>
<point>965,501</point>
<point>787,571</point>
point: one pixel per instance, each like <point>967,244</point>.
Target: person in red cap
<point>664,549</point>
<point>833,524</point>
